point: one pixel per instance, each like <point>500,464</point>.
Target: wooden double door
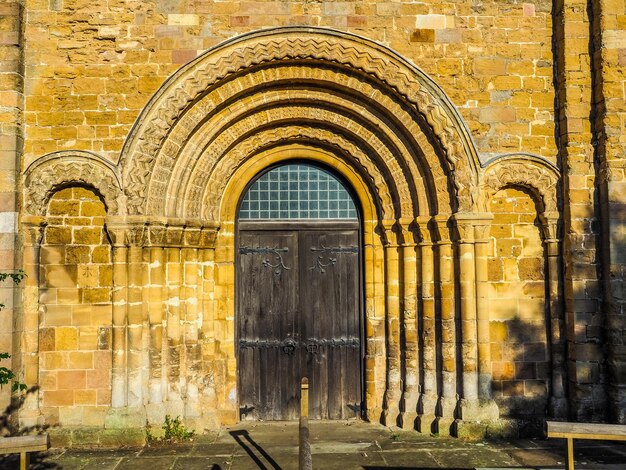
<point>298,315</point>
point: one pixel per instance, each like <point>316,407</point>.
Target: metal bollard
<point>306,459</point>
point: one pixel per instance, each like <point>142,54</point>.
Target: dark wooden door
<point>298,314</point>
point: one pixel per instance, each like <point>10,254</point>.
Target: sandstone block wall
<point>76,317</point>
<point>517,306</point>
<point>94,68</point>
<point>524,309</point>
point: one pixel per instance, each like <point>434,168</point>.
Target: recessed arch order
<point>321,87</point>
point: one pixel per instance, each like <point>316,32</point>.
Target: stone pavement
<point>335,445</point>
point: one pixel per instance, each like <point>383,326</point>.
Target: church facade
<point>417,205</point>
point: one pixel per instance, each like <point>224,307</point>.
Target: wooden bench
<point>571,431</point>
<point>23,445</point>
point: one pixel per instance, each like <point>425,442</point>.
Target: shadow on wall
<point>520,384</point>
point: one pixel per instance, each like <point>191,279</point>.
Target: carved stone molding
<point>166,234</point>
<point>532,173</point>
<point>223,171</point>
<point>271,112</point>
<point>337,50</point>
<point>472,227</point>
<point>54,171</point>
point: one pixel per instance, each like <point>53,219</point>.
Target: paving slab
<point>342,445</point>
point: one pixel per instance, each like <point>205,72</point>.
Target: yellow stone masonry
<point>483,143</point>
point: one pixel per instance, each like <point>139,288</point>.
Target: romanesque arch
<point>254,101</point>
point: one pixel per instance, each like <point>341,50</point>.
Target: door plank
<point>307,296</point>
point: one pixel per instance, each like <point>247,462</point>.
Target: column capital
<point>423,223</point>
<point>32,229</point>
<point>409,237</point>
<point>443,225</point>
<point>551,224</point>
<point>473,226</point>
<point>391,236</point>
<point>157,232</point>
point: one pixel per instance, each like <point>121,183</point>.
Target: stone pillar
<point>467,280</point>
<point>558,397</point>
<point>209,369</point>
<point>607,66</point>
<point>585,317</point>
<point>27,326</point>
<point>447,321</point>
<point>410,347</point>
<point>155,290</point>
<point>481,243</point>
<point>474,410</point>
<point>173,349</point>
<point>12,15</point>
<point>375,355</point>
<point>155,285</point>
<point>119,397</point>
<point>192,346</point>
<point>391,412</point>
<point>135,318</point>
<point>428,396</point>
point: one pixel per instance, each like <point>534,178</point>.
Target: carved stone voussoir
<point>532,173</point>
<point>340,51</point>
<point>71,168</point>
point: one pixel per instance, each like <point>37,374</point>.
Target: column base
<point>391,417</point>
<point>443,426</point>
<point>478,410</point>
<point>474,418</point>
<point>426,424</point>
<point>408,420</point>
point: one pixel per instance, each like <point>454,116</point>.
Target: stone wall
<point>11,145</point>
<point>517,307</point>
<point>490,182</point>
<point>75,298</point>
<point>94,69</point>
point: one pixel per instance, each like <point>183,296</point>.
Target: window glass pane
<point>297,191</point>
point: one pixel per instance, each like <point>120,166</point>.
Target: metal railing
<point>305,458</point>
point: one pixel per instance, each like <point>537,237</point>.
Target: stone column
<point>375,352</point>
<point>156,282</point>
<point>481,241</point>
<point>391,411</point>
<point>208,393</point>
<point>609,113</point>
<point>192,346</point>
<point>469,338</point>
<point>446,295</point>
<point>410,349</point>
<point>27,325</point>
<point>173,308</point>
<point>474,411</point>
<point>119,298</point>
<point>135,316</point>
<point>558,398</point>
<point>580,144</point>
<point>428,396</point>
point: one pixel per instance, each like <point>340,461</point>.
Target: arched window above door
<point>297,191</point>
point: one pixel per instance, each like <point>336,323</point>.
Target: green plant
<point>395,437</point>
<point>174,431</point>
<point>6,374</point>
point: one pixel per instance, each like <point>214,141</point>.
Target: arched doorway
<point>299,295</point>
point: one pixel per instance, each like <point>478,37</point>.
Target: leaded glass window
<point>297,191</point>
